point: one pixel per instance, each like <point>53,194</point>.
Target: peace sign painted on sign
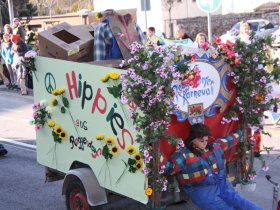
<point>50,83</point>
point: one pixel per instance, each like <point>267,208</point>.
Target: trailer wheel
<point>76,198</point>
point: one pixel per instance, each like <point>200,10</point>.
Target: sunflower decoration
<point>53,102</point>
<point>131,149</point>
<point>114,75</point>
<point>105,78</point>
<point>51,123</point>
<point>58,133</point>
<point>109,150</point>
<point>99,15</point>
<point>139,165</point>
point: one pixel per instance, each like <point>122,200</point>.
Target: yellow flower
<point>61,91</point>
<point>137,156</point>
<point>51,123</point>
<point>105,78</point>
<point>99,137</point>
<point>57,129</point>
<point>53,102</point>
<point>109,140</point>
<point>114,150</point>
<point>55,92</point>
<point>98,15</point>
<point>114,75</point>
<point>149,191</point>
<point>131,150</point>
<point>139,165</point>
<point>63,135</point>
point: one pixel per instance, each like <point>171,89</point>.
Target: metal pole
<point>145,7</point>
<point>11,11</point>
<point>209,28</point>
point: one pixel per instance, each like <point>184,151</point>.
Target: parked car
<point>261,27</point>
<point>276,38</point>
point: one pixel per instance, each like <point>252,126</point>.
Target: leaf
<point>65,102</point>
<point>115,90</point>
<point>63,110</point>
<point>132,169</point>
<point>131,161</point>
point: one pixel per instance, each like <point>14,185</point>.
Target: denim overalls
<point>216,192</point>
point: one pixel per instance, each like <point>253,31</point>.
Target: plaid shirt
<point>188,167</point>
<point>103,40</point>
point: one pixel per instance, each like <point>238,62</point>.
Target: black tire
<point>76,198</point>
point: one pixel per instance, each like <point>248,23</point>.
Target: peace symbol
<point>50,84</point>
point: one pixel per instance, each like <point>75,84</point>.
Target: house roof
<point>267,6</point>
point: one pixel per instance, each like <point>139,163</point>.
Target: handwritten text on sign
<point>206,93</point>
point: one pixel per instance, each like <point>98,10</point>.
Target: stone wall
<point>222,23</point>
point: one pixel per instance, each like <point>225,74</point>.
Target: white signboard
<point>206,93</point>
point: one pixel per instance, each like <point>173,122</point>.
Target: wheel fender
<point>96,195</point>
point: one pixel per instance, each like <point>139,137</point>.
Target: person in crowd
<point>8,29</point>
<point>30,37</point>
<point>245,32</point>
<point>200,170</point>
<point>114,35</point>
<point>19,48</point>
<point>6,51</point>
<point>18,28</point>
<point>151,32</point>
<point>180,33</point>
<point>201,41</point>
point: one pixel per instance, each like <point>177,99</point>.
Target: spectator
<point>7,55</point>
<point>201,41</point>
<point>108,46</point>
<point>245,32</point>
<point>151,32</point>
<point>30,37</point>
<point>19,48</point>
<point>180,33</point>
<point>18,28</point>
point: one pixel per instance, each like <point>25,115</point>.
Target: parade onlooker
<point>109,45</point>
<point>8,29</point>
<point>151,32</point>
<point>245,32</point>
<point>7,55</point>
<point>18,28</point>
<point>19,48</point>
<point>30,35</point>
<point>200,170</point>
<point>180,33</point>
<point>201,41</point>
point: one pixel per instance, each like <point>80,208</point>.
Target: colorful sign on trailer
<point>209,6</point>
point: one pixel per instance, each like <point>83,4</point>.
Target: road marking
<point>18,143</point>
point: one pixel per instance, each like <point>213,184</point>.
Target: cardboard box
<point>63,41</point>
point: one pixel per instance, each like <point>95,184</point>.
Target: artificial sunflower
<point>139,165</point>
<point>55,92</point>
<point>99,137</point>
<point>61,91</point>
<point>114,150</point>
<point>51,123</point>
<point>131,149</point>
<point>105,78</point>
<point>109,140</point>
<point>53,102</point>
<point>149,191</point>
<point>98,15</point>
<point>57,129</point>
<point>63,135</point>
<point>137,156</point>
<point>114,75</point>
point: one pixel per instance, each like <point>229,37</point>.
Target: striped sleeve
<point>230,140</point>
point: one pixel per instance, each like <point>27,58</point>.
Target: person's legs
<point>232,197</point>
<point>11,73</point>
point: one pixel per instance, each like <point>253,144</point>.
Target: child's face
<point>150,33</point>
<point>201,40</point>
<point>201,143</point>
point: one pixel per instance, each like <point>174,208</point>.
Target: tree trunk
<point>156,196</point>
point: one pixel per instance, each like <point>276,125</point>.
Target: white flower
<point>43,103</point>
<point>49,109</point>
<point>30,54</point>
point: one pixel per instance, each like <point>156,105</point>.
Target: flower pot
<point>249,187</point>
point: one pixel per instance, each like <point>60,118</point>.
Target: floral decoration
<point>109,149</point>
<point>251,78</point>
<point>40,115</point>
<point>192,77</point>
<point>29,61</point>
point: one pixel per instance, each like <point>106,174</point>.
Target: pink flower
<point>37,127</point>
